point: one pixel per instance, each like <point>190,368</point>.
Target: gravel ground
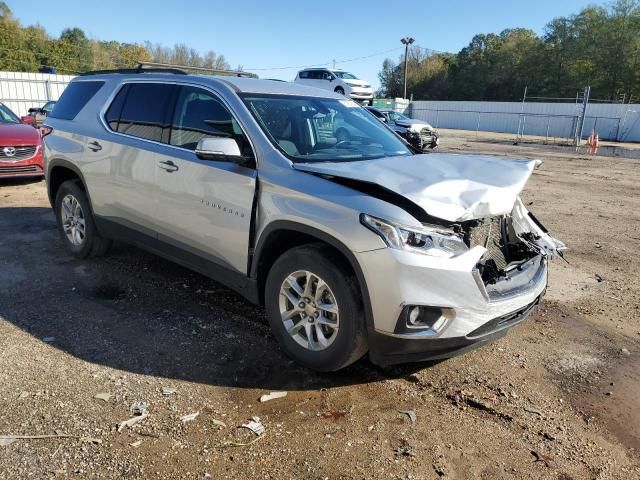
<point>557,398</point>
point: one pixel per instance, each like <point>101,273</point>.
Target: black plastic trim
<point>387,350</point>
<point>120,229</point>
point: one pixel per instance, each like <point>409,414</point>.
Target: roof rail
<point>236,73</point>
<point>139,69</point>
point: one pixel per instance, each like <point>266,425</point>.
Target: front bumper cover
<point>391,350</point>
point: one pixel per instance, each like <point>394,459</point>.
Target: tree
<point>29,48</point>
<point>599,46</point>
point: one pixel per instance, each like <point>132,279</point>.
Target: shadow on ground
<point>138,313</point>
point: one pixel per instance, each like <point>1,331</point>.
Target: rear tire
<point>75,222</point>
<point>321,327</point>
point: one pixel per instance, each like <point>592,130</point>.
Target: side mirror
<point>220,148</point>
<point>330,78</point>
<point>27,120</point>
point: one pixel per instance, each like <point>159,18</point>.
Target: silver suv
<point>352,246</point>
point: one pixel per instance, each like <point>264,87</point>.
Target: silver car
<point>352,246</point>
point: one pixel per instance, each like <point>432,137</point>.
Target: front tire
<point>314,308</point>
<point>339,90</point>
<point>75,222</point>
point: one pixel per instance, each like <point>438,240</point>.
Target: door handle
<point>168,166</point>
<point>94,146</point>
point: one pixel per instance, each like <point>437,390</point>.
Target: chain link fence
<point>556,123</point>
<point>21,91</point>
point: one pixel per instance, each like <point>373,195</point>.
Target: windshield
<point>309,129</point>
<point>395,116</point>
<point>7,116</point>
<point>346,75</point>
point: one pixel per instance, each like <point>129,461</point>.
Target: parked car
<point>417,132</point>
<point>39,114</point>
<point>351,246</point>
<point>20,146</point>
<point>338,81</point>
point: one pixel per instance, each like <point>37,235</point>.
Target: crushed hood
<point>447,186</point>
<point>413,124</point>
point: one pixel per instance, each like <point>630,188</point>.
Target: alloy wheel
<point>309,310</point>
<point>73,220</point>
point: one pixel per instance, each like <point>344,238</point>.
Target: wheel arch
<point>281,235</point>
<point>58,172</point>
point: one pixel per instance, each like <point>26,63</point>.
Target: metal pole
<point>524,98</point>
<point>406,52</point>
<point>580,129</point>
<point>546,138</point>
<point>406,41</point>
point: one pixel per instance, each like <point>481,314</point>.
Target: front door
<point>204,207</point>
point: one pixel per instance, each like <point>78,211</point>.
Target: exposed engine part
<point>504,248</point>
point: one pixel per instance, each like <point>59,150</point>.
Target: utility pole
<point>406,41</point>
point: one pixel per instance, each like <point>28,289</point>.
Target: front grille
<point>19,153</point>
<point>488,233</point>
<point>20,169</point>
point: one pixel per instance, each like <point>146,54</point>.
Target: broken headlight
<point>429,240</point>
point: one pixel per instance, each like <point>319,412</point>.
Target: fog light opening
<point>422,318</point>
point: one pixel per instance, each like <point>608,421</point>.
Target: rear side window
<point>303,75</point>
<point>74,98</point>
<point>144,110</point>
<point>115,109</point>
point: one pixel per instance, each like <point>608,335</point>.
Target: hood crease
<point>450,187</point>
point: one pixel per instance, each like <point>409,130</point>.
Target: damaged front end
<point>423,139</point>
<point>516,247</point>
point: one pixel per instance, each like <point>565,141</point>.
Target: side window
<point>326,75</point>
<point>115,109</point>
<point>315,75</point>
<point>74,98</point>
<point>144,112</point>
<point>198,114</point>
<point>303,75</point>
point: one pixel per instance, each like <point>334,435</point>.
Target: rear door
<point>204,206</point>
<point>138,116</point>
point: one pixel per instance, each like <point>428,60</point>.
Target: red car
<point>20,146</point>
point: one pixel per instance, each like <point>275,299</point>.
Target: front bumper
<point>361,94</point>
<point>479,313</point>
<point>31,167</point>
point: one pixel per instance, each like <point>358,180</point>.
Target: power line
<point>330,62</point>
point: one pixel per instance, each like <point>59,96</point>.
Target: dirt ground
<point>558,398</point>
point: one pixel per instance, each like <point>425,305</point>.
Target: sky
<point>266,36</point>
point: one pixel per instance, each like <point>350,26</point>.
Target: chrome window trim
<point>107,104</point>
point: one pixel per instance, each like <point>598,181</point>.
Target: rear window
<point>74,98</point>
